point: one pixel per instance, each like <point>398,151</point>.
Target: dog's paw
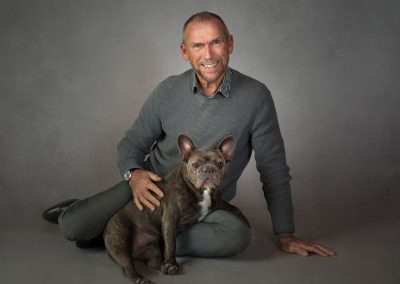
<point>170,268</point>
<point>136,277</point>
<point>143,280</point>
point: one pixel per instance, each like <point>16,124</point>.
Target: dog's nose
<point>208,170</point>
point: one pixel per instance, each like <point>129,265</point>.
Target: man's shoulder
<point>175,81</point>
<point>171,89</point>
<point>245,83</point>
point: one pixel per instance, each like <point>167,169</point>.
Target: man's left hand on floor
<point>294,245</point>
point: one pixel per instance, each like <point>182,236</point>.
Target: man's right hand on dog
<point>144,190</point>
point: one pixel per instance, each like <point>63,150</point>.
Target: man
<point>207,103</point>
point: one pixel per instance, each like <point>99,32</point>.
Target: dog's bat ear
<point>186,147</point>
<point>227,147</point>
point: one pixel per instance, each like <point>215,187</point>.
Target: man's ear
<point>230,44</point>
<point>186,147</point>
<point>184,51</point>
<point>227,147</point>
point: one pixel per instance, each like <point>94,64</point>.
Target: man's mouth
<point>209,65</point>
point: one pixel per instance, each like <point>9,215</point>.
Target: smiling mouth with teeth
<point>209,65</point>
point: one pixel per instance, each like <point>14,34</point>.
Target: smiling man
<point>207,45</point>
<point>208,102</point>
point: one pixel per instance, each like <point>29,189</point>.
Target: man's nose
<point>207,52</point>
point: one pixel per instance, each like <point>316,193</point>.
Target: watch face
<point>127,175</point>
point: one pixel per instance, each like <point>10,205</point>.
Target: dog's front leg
<point>169,231</point>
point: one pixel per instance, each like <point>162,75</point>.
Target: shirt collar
<point>224,88</point>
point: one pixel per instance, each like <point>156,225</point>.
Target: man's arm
<point>270,159</point>
<point>138,140</point>
<point>133,148</point>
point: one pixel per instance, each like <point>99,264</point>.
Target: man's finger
<point>315,248</point>
<point>300,251</point>
<point>146,203</point>
<point>326,250</point>
<point>155,189</point>
<point>137,203</point>
<point>154,177</point>
<point>150,197</point>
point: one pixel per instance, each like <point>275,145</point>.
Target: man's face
<point>207,49</point>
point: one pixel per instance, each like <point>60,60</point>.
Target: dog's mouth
<point>208,184</point>
<point>212,186</point>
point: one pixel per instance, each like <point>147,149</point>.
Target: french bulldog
<point>191,191</point>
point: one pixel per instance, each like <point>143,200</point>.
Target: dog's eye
<point>220,164</point>
<point>195,165</point>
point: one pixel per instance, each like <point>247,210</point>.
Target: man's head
<point>206,43</point>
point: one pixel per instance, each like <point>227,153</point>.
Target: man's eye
<point>197,45</point>
<point>216,42</point>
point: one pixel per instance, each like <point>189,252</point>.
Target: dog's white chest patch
<point>205,204</point>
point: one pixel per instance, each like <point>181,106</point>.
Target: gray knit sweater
<point>242,107</point>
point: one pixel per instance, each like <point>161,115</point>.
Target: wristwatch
<point>128,174</point>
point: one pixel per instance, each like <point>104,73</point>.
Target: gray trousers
<point>221,233</point>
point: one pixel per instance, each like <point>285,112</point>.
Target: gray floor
<point>365,238</point>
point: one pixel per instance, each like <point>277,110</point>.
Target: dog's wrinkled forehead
<point>206,155</point>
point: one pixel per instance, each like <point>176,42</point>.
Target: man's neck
<point>209,89</point>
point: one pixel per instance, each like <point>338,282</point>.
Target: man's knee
<point>237,240</point>
<point>235,235</point>
<point>72,225</point>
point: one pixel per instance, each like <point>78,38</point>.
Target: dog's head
<point>206,168</point>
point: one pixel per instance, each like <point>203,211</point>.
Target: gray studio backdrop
<point>74,75</point>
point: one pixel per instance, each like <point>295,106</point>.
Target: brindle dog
<point>191,191</point>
